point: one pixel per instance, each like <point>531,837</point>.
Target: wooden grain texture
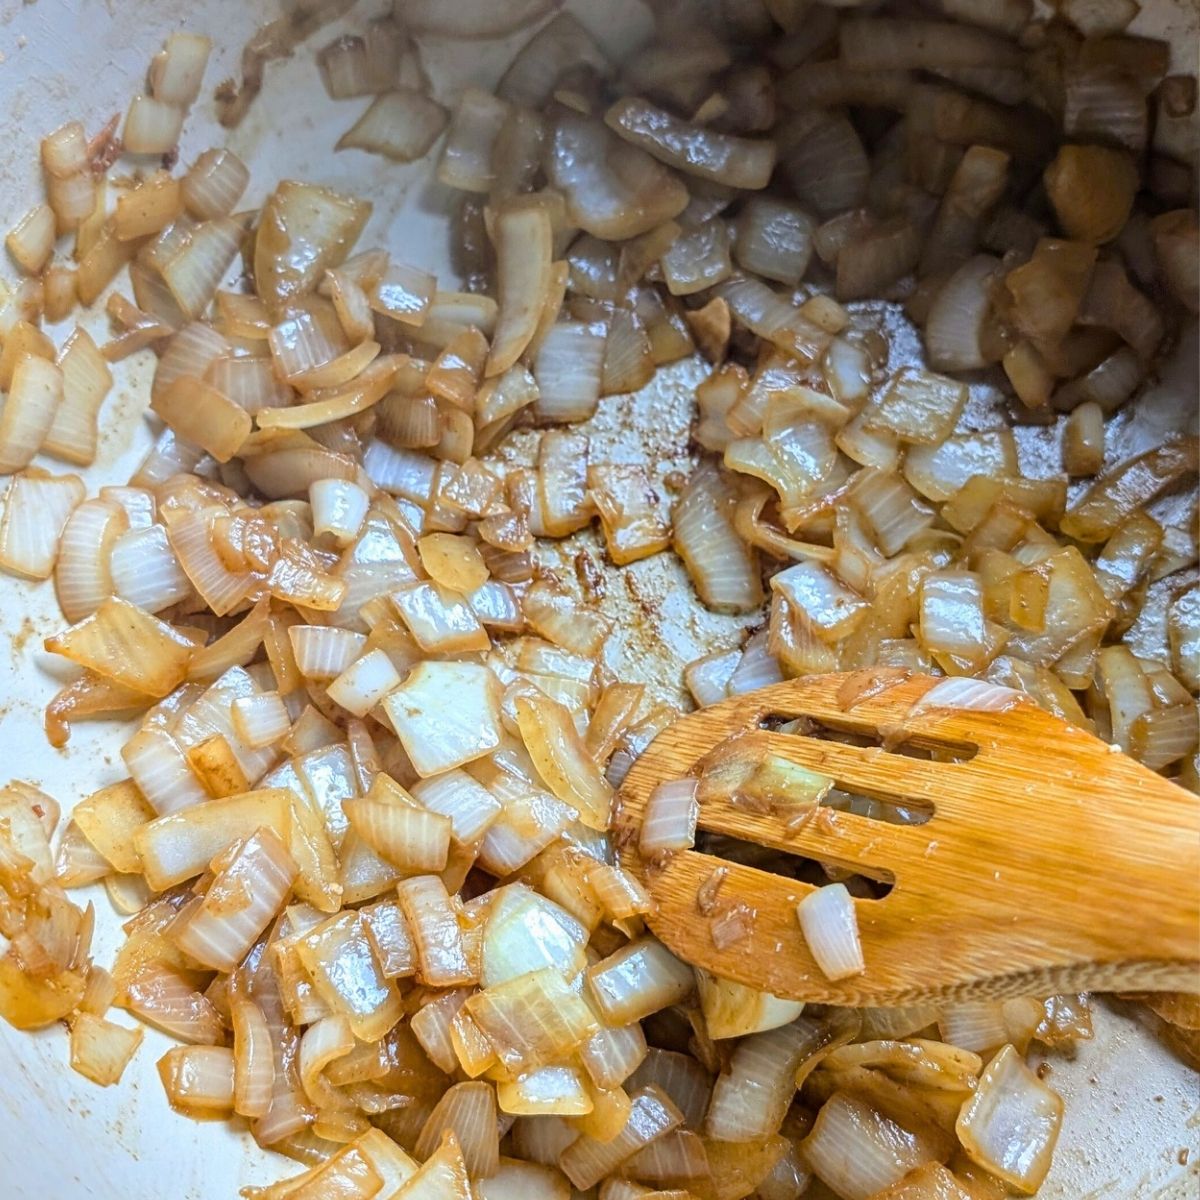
<point>1051,862</point>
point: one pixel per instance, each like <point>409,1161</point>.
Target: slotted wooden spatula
<point>1051,862</point>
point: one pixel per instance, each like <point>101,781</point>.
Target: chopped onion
<point>31,241</point>
<point>522,237</point>
<point>568,370</point>
<point>412,840</point>
<point>774,239</point>
<point>204,416</point>
<point>723,158</point>
<point>586,1161</point>
<point>101,1050</point>
<point>669,822</point>
<point>830,926</point>
<point>253,1059</point>
<point>28,414</point>
<point>152,126</point>
<point>468,1110</point>
<point>198,1079</point>
<point>435,931</point>
<point>37,507</point>
<point>400,125</point>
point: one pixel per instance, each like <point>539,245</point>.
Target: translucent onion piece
<point>546,1091</point>
<point>31,241</point>
<point>858,1151</point>
<point>722,158</point>
<point>101,1050</point>
<point>400,125</point>
<point>203,416</point>
<point>774,239</point>
<point>214,184</point>
<point>177,72</point>
<point>435,930</point>
<point>830,926</point>
<point>522,238</point>
<point>36,509</point>
<point>196,269</point>
<point>720,564</point>
<point>468,1110</point>
<point>125,644</point>
<point>28,414</point>
<point>1011,1123</point>
<point>253,1059</point>
<point>446,714</point>
<point>339,507</point>
<point>586,1161</point>
<point>562,760</point>
<point>669,823</point>
<point>526,932</point>
<point>338,958</point>
<point>568,370</point>
<point>412,840</point>
<point>637,980</point>
<point>613,189</point>
<point>734,1010</point>
<point>151,126</point>
<point>466,158</point>
<point>198,1079</point>
<point>244,897</point>
<point>561,44</point>
<point>391,939</point>
<point>322,651</point>
<point>532,1020</point>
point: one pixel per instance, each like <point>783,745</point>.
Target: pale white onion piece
<point>1011,1124</point>
<point>435,930</point>
<point>586,1161</point>
<point>82,577</point>
<point>145,571</point>
<point>545,1091</point>
<point>527,932</point>
<point>151,126</point>
<point>339,507</point>
<point>469,805</point>
<point>322,1043</point>
<point>203,416</point>
<point>830,926</point>
<point>522,239</point>
<point>637,980</point>
<point>402,472</point>
<point>31,240</point>
<point>190,536</point>
<point>36,509</point>
<point>160,769</point>
<point>33,399</point>
<point>956,327</point>
<point>446,714</point>
<point>858,1151</point>
<point>65,151</point>
<point>198,1080</point>
<point>681,1078</point>
<point>612,1054</point>
<point>253,1059</point>
<point>756,668</point>
<point>720,564</point>
<point>473,18</point>
<point>440,620</point>
<point>466,158</point>
<point>412,840</point>
<point>568,371</point>
<point>244,897</point>
<point>261,720</point>
<point>974,694</point>
<point>324,651</point>
<point>192,351</point>
<point>364,683</point>
<point>774,239</point>
<point>708,678</point>
<point>177,72</point>
<point>164,998</point>
<point>977,1025</point>
<point>249,382</point>
<point>214,184</point>
<point>86,380</point>
<point>468,1110</point>
<point>403,293</point>
<point>669,822</point>
<point>78,862</point>
<point>697,259</point>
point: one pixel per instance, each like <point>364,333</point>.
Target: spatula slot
<point>929,748</point>
<point>868,883</point>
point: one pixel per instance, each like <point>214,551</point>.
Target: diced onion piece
<point>533,1019</point>
<point>101,1050</point>
<point>440,620</point>
<point>734,1010</point>
<point>322,651</point>
<point>339,508</point>
<point>669,822</point>
<point>36,509</point>
<point>28,413</point>
<point>214,184</point>
<point>260,720</point>
<point>177,73</point>
<point>198,1080</point>
<point>82,579</point>
<point>466,158</point>
<point>304,231</point>
<point>720,564</point>
<point>125,644</point>
<point>195,270</point>
<point>151,126</point>
<point>470,806</point>
<point>545,1091</point>
<point>411,839</point>
<point>613,189</point>
<point>562,760</point>
<point>474,19</point>
<point>824,160</point>
<point>364,683</point>
<point>31,241</point>
<point>522,237</point>
<point>400,125</point>
<point>65,151</point>
<point>587,1161</point>
<point>247,893</point>
<point>697,259</point>
<point>338,958</point>
<point>147,208</point>
<point>830,926</point>
<point>253,1059</point>
<point>1011,1123</point>
<point>446,714</point>
<point>435,931</point>
<point>403,293</point>
<point>568,369</point>
<point>720,157</point>
<point>858,1151</point>
<point>637,980</point>
<point>202,415</point>
<point>526,932</point>
<point>468,1110</point>
<point>774,239</point>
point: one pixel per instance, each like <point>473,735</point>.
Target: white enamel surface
<point>1130,1108</point>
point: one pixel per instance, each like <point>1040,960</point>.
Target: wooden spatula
<point>1051,861</point>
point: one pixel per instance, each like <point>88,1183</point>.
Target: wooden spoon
<point>1051,862</point>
